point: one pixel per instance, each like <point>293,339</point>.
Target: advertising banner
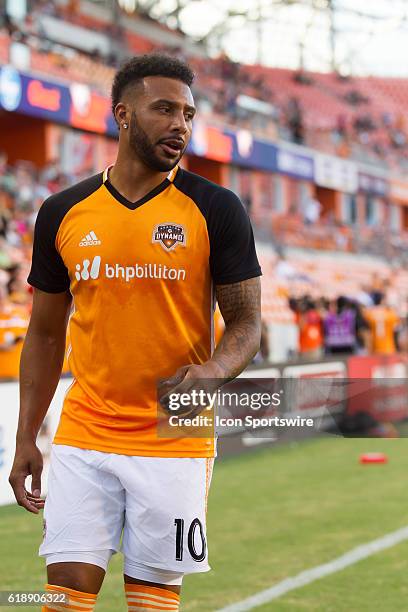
<point>75,105</point>
<point>247,151</point>
<point>210,142</point>
<point>295,165</point>
<point>335,173</point>
<point>374,185</point>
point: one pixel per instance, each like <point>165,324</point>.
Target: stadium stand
<point>357,117</point>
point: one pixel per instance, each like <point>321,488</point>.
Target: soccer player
<point>132,257</point>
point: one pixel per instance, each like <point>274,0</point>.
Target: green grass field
<point>273,514</point>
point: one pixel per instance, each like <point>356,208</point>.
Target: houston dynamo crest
<point>169,235</point>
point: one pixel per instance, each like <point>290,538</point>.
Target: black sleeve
<point>232,247</point>
<point>48,272</point>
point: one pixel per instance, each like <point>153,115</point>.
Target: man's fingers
<point>38,501</point>
<point>23,501</point>
<point>183,387</point>
<point>165,387</point>
<point>188,380</point>
<point>30,501</point>
<point>166,383</point>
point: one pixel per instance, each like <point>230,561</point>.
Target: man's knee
<point>84,577</point>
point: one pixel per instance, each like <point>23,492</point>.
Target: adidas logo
<point>90,239</point>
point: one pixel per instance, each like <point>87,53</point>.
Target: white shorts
<point>158,503</point>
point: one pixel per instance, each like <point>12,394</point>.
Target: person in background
<point>402,334</point>
<point>364,297</point>
<point>383,321</point>
<point>284,269</point>
<point>13,328</point>
<point>294,117</point>
<point>311,210</point>
<point>310,330</point>
<point>340,329</point>
<point>18,291</point>
<point>362,329</point>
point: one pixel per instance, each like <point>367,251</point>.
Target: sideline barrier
<point>389,403</point>
<point>370,389</point>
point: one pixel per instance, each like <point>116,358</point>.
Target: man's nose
<point>179,123</point>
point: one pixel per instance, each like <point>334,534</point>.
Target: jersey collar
<point>153,193</point>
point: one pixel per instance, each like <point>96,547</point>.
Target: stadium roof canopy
<point>350,36</point>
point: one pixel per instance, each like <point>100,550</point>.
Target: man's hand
<point>207,377</point>
<point>27,461</point>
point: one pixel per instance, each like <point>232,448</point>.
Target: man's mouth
<point>172,146</point>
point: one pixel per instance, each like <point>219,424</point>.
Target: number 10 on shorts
<point>191,544</point>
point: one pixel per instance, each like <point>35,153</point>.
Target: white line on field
<point>310,575</point>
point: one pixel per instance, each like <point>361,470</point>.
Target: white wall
<point>9,407</point>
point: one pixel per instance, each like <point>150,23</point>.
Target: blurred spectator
<point>354,97</point>
<point>13,322</point>
<point>310,330</point>
<point>362,329</point>
<point>294,117</point>
<point>340,328</point>
<point>46,7</point>
<point>341,126</point>
<point>284,269</point>
<point>363,297</point>
<point>383,321</point>
<point>311,210</point>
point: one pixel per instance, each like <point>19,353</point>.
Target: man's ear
<point>121,114</point>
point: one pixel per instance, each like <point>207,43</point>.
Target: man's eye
<point>189,116</point>
<point>164,109</point>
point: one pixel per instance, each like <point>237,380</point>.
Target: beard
<point>144,149</point>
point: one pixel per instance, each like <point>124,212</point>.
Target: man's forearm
<point>40,369</point>
<point>238,346</point>
<point>240,305</point>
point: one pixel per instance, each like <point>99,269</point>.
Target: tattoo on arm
<point>240,306</point>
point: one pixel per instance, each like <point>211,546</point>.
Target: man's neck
<point>133,179</point>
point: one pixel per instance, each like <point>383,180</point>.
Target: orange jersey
<point>382,321</point>
<point>310,331</point>
<point>142,278</point>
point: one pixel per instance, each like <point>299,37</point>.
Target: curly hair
<point>154,64</point>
